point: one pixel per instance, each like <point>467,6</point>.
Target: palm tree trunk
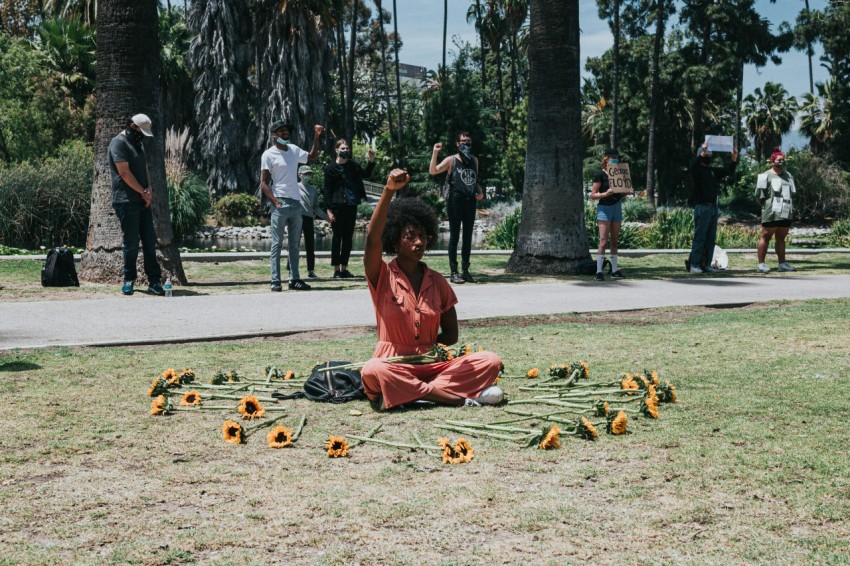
<point>739,94</point>
<point>384,71</point>
<point>397,77</point>
<point>128,67</point>
<point>615,95</point>
<point>502,111</point>
<point>341,73</point>
<point>352,59</point>
<point>514,57</point>
<point>697,132</point>
<point>658,43</point>
<point>809,53</point>
<point>483,48</point>
<point>445,32</point>
<point>551,237</point>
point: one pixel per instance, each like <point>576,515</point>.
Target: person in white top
<point>279,182</point>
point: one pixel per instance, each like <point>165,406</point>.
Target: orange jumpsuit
<point>408,324</point>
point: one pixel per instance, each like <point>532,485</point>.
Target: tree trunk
<point>697,132</point>
<point>352,60</point>
<point>384,72</point>
<point>739,98</point>
<point>514,57</point>
<point>128,68</point>
<point>341,73</point>
<point>810,52</point>
<point>502,112</point>
<point>445,32</point>
<point>658,44</point>
<point>483,44</point>
<point>615,87</point>
<point>551,237</point>
<point>398,80</point>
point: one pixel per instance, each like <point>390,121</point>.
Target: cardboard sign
<point>619,178</point>
<point>720,143</point>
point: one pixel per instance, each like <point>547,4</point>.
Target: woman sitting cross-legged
<point>415,308</point>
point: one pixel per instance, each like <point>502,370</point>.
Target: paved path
<point>149,320</point>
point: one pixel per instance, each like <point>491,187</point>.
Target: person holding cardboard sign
<point>706,190</point>
<point>609,214</point>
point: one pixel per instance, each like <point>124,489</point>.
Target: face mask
<point>135,137</point>
<point>344,154</point>
<point>281,141</point>
<point>465,149</point>
<point>779,164</point>
<point>613,161</point>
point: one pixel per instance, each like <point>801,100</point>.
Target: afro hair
<point>404,212</point>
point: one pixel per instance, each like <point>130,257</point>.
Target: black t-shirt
<point>602,178</point>
<point>122,149</point>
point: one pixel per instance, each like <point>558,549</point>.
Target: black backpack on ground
<point>588,267</point>
<point>59,269</point>
<point>335,386</point>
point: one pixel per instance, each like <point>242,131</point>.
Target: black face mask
<point>466,150</point>
<point>135,137</point>
<point>344,154</point>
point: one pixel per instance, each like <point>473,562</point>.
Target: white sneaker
<point>491,396</point>
<point>471,403</point>
<point>786,267</point>
<point>762,268</point>
<point>696,269</point>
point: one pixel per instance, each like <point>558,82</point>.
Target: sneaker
<point>456,278</point>
<point>786,267</point>
<point>618,274</point>
<point>688,265</point>
<point>156,289</point>
<point>468,277</point>
<point>276,287</point>
<point>600,276</point>
<point>345,274</point>
<point>299,285</point>
<point>762,268</point>
<point>127,288</point>
<point>711,269</point>
<point>491,396</point>
<point>471,403</point>
<point>337,274</point>
<point>312,275</point>
<point>695,269</point>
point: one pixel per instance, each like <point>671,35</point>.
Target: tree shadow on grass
<point>19,366</point>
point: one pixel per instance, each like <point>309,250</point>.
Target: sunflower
<point>641,381</point>
<point>250,408</point>
<point>628,382</point>
<point>586,369</point>
<point>158,387</point>
<point>601,408</point>
<point>586,430</point>
<point>532,373</point>
<point>653,377</point>
<point>289,375</point>
<point>232,432</point>
<point>443,352</point>
<point>160,406</point>
<point>170,375</point>
<point>191,399</point>
<point>464,450</point>
<point>551,439</point>
<point>450,455</point>
<point>671,392</point>
<point>651,393</point>
<point>337,447</point>
<point>279,436</point>
<point>558,371</point>
<point>187,376</point>
<point>232,376</point>
<point>617,423</point>
<point>649,407</point>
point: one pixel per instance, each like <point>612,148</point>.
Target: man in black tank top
<point>462,194</point>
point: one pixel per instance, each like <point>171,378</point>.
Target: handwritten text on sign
<point>619,178</point>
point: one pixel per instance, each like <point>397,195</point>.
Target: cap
<point>144,123</point>
<point>304,169</point>
<point>278,124</point>
<point>611,152</point>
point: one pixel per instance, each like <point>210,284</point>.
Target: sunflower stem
<point>250,429</point>
<point>369,434</point>
<point>478,432</point>
<point>300,428</point>
<point>394,444</point>
<point>240,397</point>
<point>489,426</point>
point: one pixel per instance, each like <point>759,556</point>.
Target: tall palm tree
<point>128,68</point>
<point>551,237</point>
<point>769,115</point>
<point>816,120</point>
<point>495,27</point>
<point>654,94</point>
<point>475,16</point>
<point>385,76</point>
<point>84,10</point>
<point>516,12</point>
<point>69,45</point>
<point>398,79</point>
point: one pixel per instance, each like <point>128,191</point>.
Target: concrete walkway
<point>150,320</point>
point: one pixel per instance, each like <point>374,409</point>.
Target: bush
<point>738,199</point>
<point>673,228</point>
<point>503,236</point>
<point>238,209</point>
<point>839,237</point>
<point>47,203</point>
<point>823,188</point>
<point>365,210</point>
<point>188,203</point>
<point>637,210</point>
<point>730,237</point>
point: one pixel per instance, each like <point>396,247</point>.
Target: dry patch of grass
<point>750,466</point>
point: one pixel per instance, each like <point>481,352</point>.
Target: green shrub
<point>823,188</point>
<point>503,236</point>
<point>637,210</point>
<point>188,203</point>
<point>238,209</point>
<point>46,203</point>
<point>735,237</point>
<point>737,199</point>
<point>839,237</point>
<point>365,210</point>
<point>673,228</point>
<point>590,224</point>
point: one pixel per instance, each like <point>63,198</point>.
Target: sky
<point>420,25</point>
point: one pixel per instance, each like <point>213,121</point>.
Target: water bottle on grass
<point>168,286</point>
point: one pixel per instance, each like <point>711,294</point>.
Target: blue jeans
<point>286,216</point>
<point>137,223</point>
<point>705,235</point>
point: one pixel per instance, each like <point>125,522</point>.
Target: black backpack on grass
<point>588,267</point>
<point>335,386</point>
<point>59,269</point>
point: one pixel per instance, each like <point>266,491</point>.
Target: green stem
<point>300,428</point>
<point>394,444</point>
<point>488,426</point>
<point>224,396</point>
<point>369,434</point>
<point>477,432</point>
<point>256,427</point>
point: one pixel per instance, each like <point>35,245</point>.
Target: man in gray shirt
<point>131,199</point>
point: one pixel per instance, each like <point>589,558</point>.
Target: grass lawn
<point>751,465</point>
<point>20,280</point>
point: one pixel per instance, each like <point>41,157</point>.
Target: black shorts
<point>777,224</point>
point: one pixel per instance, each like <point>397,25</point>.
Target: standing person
<point>343,191</point>
<point>309,209</point>
<point>463,192</point>
<point>279,182</point>
<point>609,215</point>
<point>706,190</point>
<point>774,188</point>
<point>415,308</point>
<point>131,199</point>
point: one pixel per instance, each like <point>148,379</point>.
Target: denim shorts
<point>609,212</point>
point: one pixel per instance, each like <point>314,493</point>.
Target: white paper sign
<point>720,143</point>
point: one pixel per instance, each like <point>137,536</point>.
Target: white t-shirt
<point>283,167</point>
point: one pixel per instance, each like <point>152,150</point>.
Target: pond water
<point>322,244</point>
